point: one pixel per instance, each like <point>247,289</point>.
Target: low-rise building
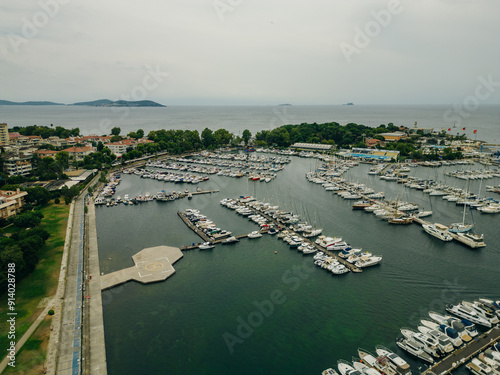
<point>79,153</point>
<point>394,136</point>
<point>46,153</point>
<point>11,202</point>
<point>120,147</point>
<point>17,165</point>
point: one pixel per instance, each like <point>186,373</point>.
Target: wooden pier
<point>465,353</point>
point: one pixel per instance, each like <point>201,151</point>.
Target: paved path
<point>27,334</point>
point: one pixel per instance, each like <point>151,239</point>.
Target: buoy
<point>276,252</point>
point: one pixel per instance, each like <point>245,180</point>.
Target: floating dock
<point>151,265</point>
<point>465,353</point>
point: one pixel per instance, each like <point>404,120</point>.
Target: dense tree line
<point>46,132</point>
<point>23,247</point>
<point>328,133</point>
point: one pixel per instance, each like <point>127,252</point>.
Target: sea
<point>257,306</point>
<point>485,120</point>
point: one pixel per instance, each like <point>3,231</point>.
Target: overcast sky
<point>250,51</point>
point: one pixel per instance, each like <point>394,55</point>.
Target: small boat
<point>272,231</point>
<point>329,371</point>
<point>206,246</point>
<point>401,220</point>
<point>255,234</point>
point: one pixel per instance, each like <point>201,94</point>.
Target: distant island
<point>95,103</point>
<point>285,105</point>
<point>120,103</point>
<point>7,102</point>
<point>350,103</point>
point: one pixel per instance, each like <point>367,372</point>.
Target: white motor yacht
<point>485,312</point>
<point>400,365</point>
<point>444,343</point>
<point>367,261</point>
<point>206,246</point>
<point>381,363</point>
<point>447,331</point>
<point>479,368</point>
<point>451,322</point>
<point>329,371</point>
<point>414,348</point>
<point>229,240</point>
<point>470,239</point>
<point>439,231</point>
<point>468,313</point>
<point>364,369</point>
<point>255,234</point>
<point>346,369</point>
<point>430,344</point>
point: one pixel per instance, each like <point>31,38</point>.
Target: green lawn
<point>43,281</point>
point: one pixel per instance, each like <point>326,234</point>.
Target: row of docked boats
<point>383,362</point>
<point>186,178</point>
<point>476,174</point>
<point>436,337</point>
<point>452,194</point>
<point>487,362</point>
<point>208,228</point>
<point>443,334</point>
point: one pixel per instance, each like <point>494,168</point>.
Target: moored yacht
<point>468,313</point>
<point>255,234</point>
<point>478,368</point>
<point>439,231</point>
<point>400,365</point>
<point>470,239</point>
<point>444,343</point>
<point>380,363</point>
<point>206,246</point>
<point>414,348</point>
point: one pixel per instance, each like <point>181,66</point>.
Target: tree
<point>26,220</point>
<point>246,136</point>
<point>62,159</point>
<point>116,131</point>
<point>207,138</point>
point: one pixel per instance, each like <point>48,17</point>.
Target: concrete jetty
<point>152,264</point>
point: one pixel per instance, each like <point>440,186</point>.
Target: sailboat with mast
<point>462,227</point>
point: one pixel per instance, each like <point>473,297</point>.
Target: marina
<point>267,259</point>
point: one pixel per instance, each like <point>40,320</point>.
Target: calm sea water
<point>99,120</point>
<point>178,326</point>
